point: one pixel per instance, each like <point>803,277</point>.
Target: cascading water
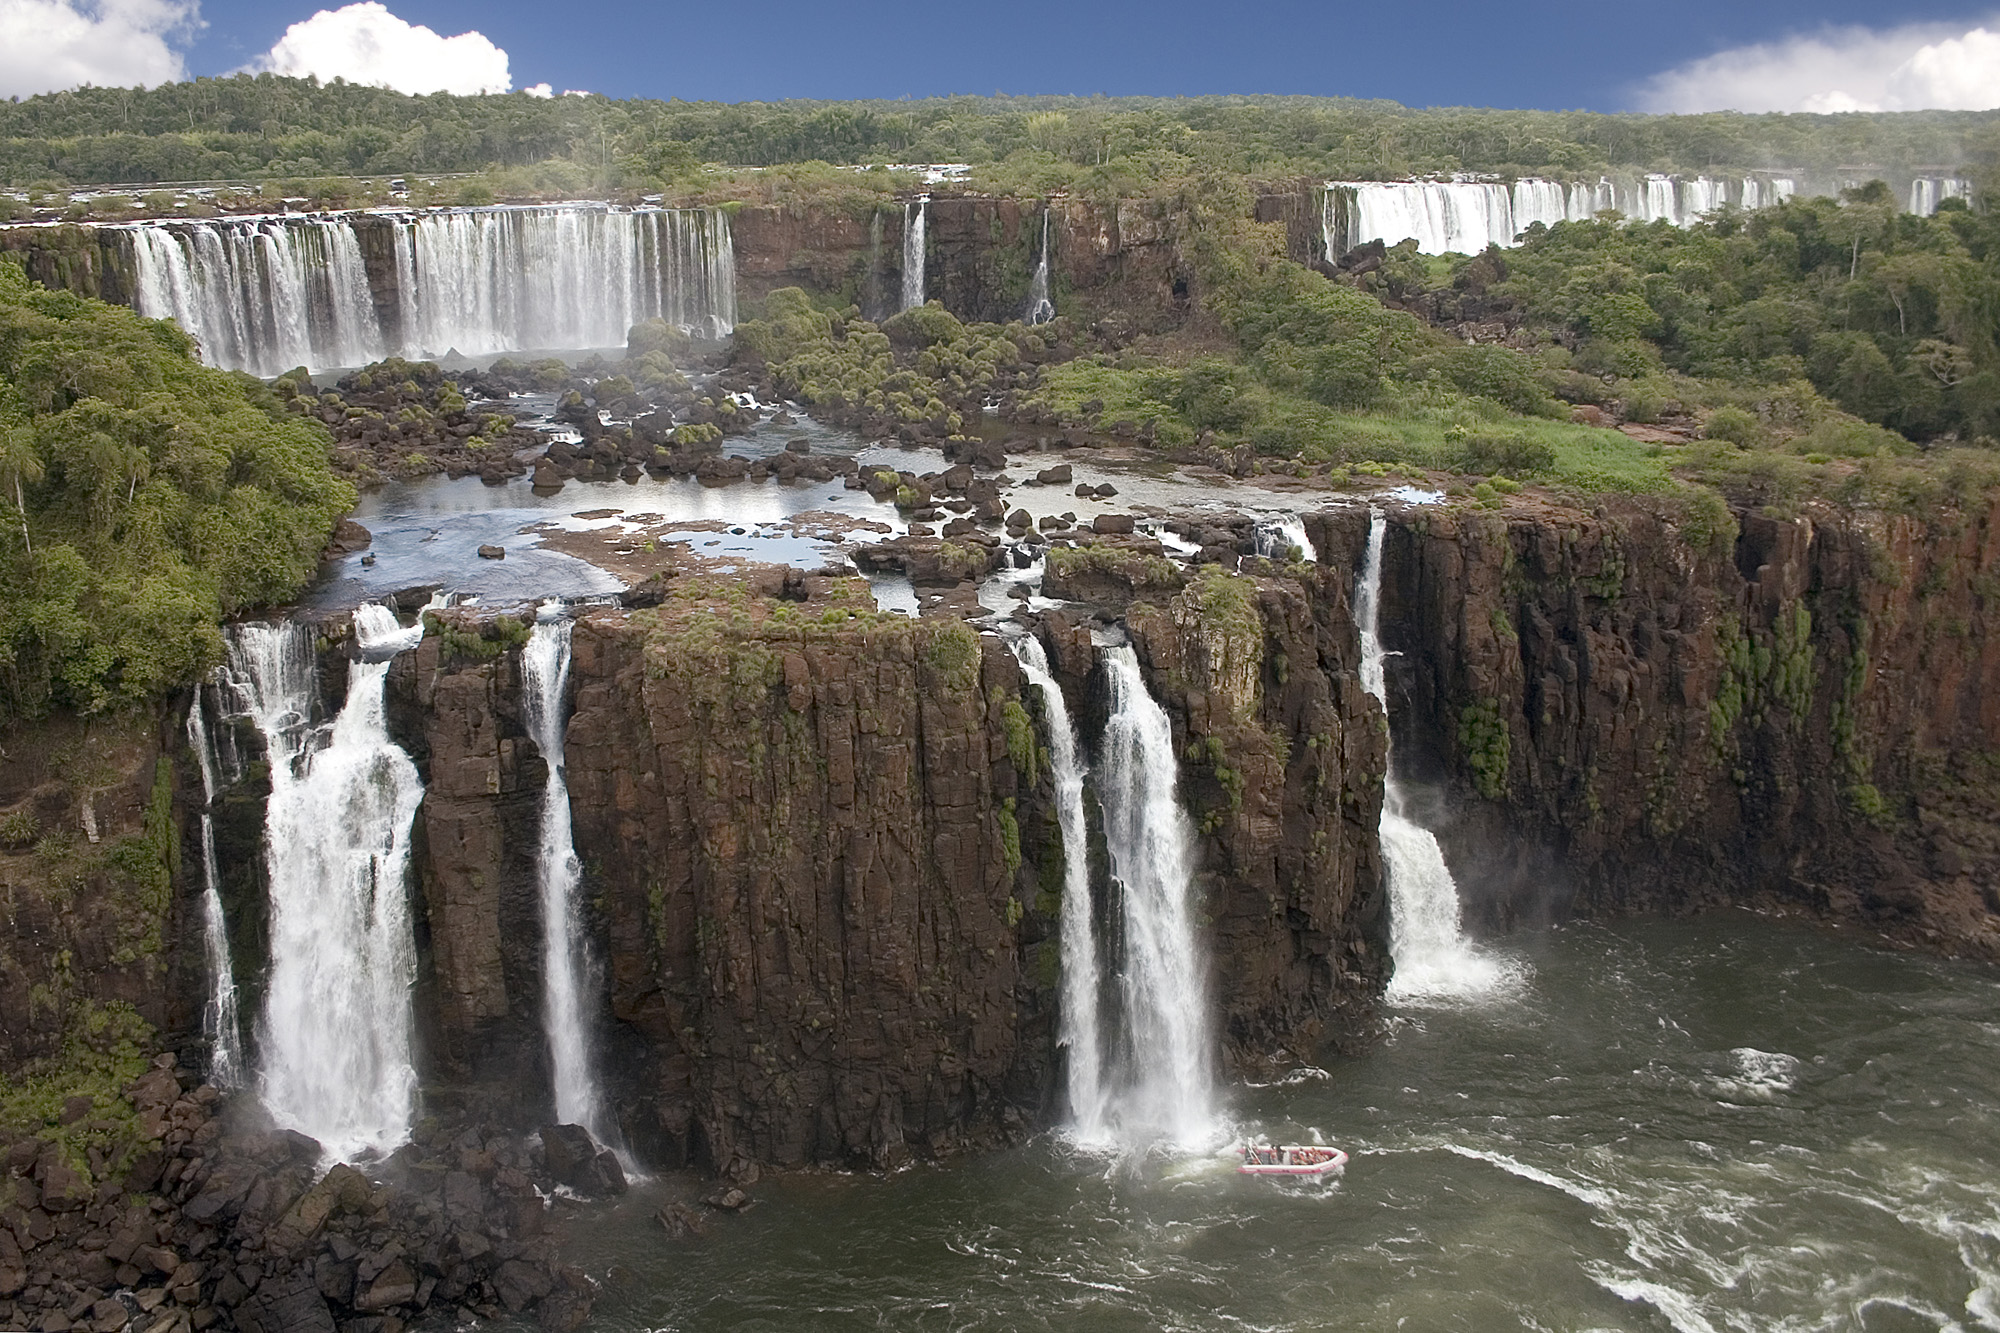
<point>1277,538</point>
<point>496,280</point>
<point>1168,1087</point>
<point>267,294</point>
<point>335,1040</point>
<point>262,294</point>
<point>1435,963</point>
<point>1464,215</point>
<point>1080,1020</point>
<point>220,1023</point>
<point>915,218</point>
<point>1041,308</point>
<point>545,662</point>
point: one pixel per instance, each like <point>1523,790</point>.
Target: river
<point>1729,1123</point>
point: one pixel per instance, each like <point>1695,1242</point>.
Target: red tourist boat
<point>1291,1159</point>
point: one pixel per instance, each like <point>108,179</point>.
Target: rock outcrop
<point>1638,712</point>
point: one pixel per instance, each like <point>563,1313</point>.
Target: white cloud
<point>365,43</point>
<point>51,44</point>
<point>539,90</point>
<point>1911,68</point>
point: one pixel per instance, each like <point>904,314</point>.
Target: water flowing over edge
<point>1080,1020</point>
<point>1465,216</point>
<point>220,1022</point>
<point>545,666</point>
<point>335,1041</point>
<point>1169,1086</point>
<point>1041,306</point>
<point>1435,962</point>
<point>915,217</point>
<point>270,293</point>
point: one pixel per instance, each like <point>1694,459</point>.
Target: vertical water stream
<point>1435,963</point>
<point>545,663</point>
<point>335,1040</point>
<point>1041,307</point>
<point>915,216</point>
<point>1080,1021</point>
<point>219,1021</point>
<point>1169,1086</point>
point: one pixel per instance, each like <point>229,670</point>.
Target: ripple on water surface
<point>1720,1125</point>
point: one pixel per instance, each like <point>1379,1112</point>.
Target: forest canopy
<point>143,496</point>
<point>244,127</point>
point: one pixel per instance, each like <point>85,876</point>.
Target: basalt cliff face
<point>825,868</point>
<point>1798,713</point>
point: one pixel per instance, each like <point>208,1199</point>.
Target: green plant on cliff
<point>103,1051</point>
<point>954,654</point>
<point>1010,845</point>
<point>476,642</point>
<point>1484,741</point>
<point>152,496</point>
<point>1022,747</point>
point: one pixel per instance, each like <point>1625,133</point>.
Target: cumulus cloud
<point>365,43</point>
<point>51,44</point>
<point>1911,68</point>
<point>539,90</point>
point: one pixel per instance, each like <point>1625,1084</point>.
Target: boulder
<point>492,553</point>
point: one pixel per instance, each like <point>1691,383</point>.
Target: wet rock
<point>1059,475</point>
<point>1112,524</point>
<point>288,1303</point>
<point>679,1220</point>
<point>489,552</point>
<point>520,1284</point>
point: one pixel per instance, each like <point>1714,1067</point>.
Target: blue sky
<point>1826,55</point>
<point>1531,53</point>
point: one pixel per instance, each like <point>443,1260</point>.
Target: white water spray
<point>220,1023</point>
<point>915,217</point>
<point>545,663</point>
<point>267,294</point>
<point>1041,306</point>
<point>1080,1019</point>
<point>336,1039</point>
<point>1169,1089</point>
<point>1435,963</point>
<point>1277,538</point>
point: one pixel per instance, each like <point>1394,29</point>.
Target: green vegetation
<point>1763,323</point>
<point>149,497</point>
<point>270,127</point>
<point>104,1050</point>
<point>1487,746</point>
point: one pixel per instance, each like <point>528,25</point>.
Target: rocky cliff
<point>1630,711</point>
<point>824,867</point>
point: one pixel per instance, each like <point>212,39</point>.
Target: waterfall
<point>219,1021</point>
<point>267,294</point>
<point>1277,538</point>
<point>508,279</point>
<point>259,294</point>
<point>1435,963</point>
<point>544,690</point>
<point>335,1041</point>
<point>1041,309</point>
<point>1080,1021</point>
<point>1168,1087</point>
<point>1465,215</point>
<point>871,286</point>
<point>915,215</point>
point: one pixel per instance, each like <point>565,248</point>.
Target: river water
<point>1722,1124</point>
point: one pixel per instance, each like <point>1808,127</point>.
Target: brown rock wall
<point>1802,716</point>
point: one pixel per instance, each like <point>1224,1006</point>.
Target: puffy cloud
<point>539,90</point>
<point>365,43</point>
<point>1912,68</point>
<point>51,44</point>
